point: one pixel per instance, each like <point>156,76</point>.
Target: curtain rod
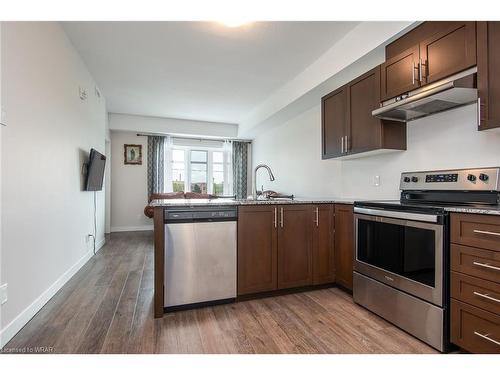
<point>195,138</point>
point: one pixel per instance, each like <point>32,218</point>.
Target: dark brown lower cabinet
<point>323,244</point>
<point>257,249</point>
<point>285,246</point>
<point>344,244</point>
<point>473,329</point>
<point>475,282</point>
<point>295,246</point>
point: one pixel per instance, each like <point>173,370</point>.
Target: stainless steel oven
<point>401,260</point>
<point>399,268</point>
<point>395,249</point>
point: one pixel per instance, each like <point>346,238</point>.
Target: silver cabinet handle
<point>342,145</point>
<point>420,69</point>
<point>485,265</point>
<point>281,211</point>
<point>478,112</point>
<point>317,217</point>
<point>413,74</point>
<point>346,143</point>
<point>486,232</point>
<point>275,217</point>
<point>486,296</point>
<point>487,338</point>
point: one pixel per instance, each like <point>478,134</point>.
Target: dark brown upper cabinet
<point>439,49</point>
<point>365,132</point>
<point>448,52</point>
<point>488,74</point>
<point>400,73</point>
<point>348,127</point>
<point>334,123</point>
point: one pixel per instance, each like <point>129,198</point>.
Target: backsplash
<point>443,141</point>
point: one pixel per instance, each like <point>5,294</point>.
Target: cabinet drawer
<point>476,230</point>
<point>474,329</point>
<point>484,264</point>
<point>477,292</point>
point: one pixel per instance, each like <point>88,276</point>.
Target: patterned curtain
<point>156,164</point>
<point>240,160</point>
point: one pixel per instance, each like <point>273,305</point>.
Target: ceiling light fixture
<point>234,22</point>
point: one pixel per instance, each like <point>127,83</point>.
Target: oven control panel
<point>448,177</point>
<point>478,179</point>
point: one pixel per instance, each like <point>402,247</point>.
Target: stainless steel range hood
<point>455,91</point>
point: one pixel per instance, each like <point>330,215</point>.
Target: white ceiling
<point>198,70</point>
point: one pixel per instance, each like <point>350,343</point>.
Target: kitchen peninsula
<point>282,244</point>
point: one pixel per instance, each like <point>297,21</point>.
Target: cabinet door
<point>364,96</point>
<point>344,244</point>
<point>333,122</point>
<point>323,244</point>
<point>295,246</point>
<point>449,51</point>
<point>399,74</point>
<point>488,74</point>
<point>257,249</point>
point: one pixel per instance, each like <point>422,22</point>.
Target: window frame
<point>187,166</point>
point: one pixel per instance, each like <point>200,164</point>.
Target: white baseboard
<point>25,316</point>
<point>131,229</point>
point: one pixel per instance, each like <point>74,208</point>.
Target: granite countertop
<point>243,202</point>
<point>493,210</point>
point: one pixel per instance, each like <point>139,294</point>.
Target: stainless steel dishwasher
<point>200,255</point>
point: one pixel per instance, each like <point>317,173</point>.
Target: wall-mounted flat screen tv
<point>95,171</point>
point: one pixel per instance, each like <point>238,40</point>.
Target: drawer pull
<point>486,232</point>
<point>487,338</point>
<point>486,296</point>
<point>486,266</point>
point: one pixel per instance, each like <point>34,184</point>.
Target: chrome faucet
<point>271,178</point>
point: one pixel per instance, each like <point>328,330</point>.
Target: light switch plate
<point>3,294</point>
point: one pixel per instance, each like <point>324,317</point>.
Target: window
<point>199,170</point>
<point>178,170</point>
<point>218,173</point>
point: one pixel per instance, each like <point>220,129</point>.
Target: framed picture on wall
<point>132,154</point>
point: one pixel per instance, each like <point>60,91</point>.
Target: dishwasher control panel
<point>184,214</point>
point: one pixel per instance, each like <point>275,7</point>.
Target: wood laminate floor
<point>107,307</point>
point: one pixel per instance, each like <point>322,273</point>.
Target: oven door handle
<point>397,214</point>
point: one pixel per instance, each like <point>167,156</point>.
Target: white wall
<point>444,141</point>
<point>293,151</point>
<point>45,214</point>
<point>1,130</point>
<point>129,189</point>
<point>124,122</point>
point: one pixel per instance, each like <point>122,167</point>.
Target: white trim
<point>132,228</point>
<point>29,312</point>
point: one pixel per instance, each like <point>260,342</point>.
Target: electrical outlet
<point>83,93</point>
<point>3,294</point>
<point>376,181</point>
